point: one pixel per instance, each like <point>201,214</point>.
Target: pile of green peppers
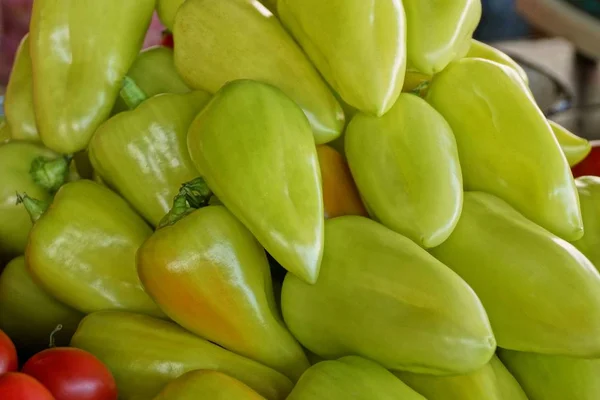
<point>303,200</point>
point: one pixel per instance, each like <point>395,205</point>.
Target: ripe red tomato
<point>18,386</point>
<point>8,355</point>
<point>591,164</point>
<point>72,374</point>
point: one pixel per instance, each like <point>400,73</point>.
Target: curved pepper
<point>546,377</point>
<point>81,51</point>
<point>525,276</point>
<point>145,353</point>
<point>340,195</point>
<point>505,144</point>
<point>154,73</point>
<point>409,176</point>
<point>575,148</point>
<point>358,46</point>
<point>82,250</point>
<point>18,101</point>
<point>143,153</point>
<point>255,149</point>
<point>167,9</point>
<point>351,378</point>
<point>482,50</point>
<point>29,315</point>
<point>381,296</point>
<point>220,41</point>
<point>439,32</point>
<point>204,384</point>
<point>15,162</point>
<point>221,289</point>
<point>492,382</point>
<point>589,198</point>
<point>4,131</point>
<point>414,79</point>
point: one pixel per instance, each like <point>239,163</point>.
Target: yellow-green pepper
<point>541,294</point>
<point>18,101</point>
<point>353,378</point>
<point>254,147</point>
<point>381,296</point>
<point>546,377</point>
<point>589,197</point>
<point>505,144</point>
<point>167,9</point>
<point>482,50</point>
<point>29,315</point>
<point>144,354</point>
<point>205,384</point>
<point>409,176</point>
<point>143,153</point>
<point>82,249</point>
<point>220,41</point>
<point>574,147</point>
<point>439,31</point>
<point>4,131</point>
<point>358,46</point>
<point>492,382</point>
<point>221,289</point>
<point>80,52</point>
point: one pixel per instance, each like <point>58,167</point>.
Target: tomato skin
<point>72,374</point>
<point>18,386</point>
<point>8,355</point>
<point>591,164</point>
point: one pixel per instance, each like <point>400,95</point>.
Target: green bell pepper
<point>546,377</point>
<point>482,50</point>
<point>351,378</point>
<point>144,354</point>
<point>589,197</point>
<point>492,382</point>
<point>143,153</point>
<point>154,73</point>
<point>80,53</point>
<point>220,41</point>
<point>358,46</point>
<point>221,289</point>
<point>439,31</point>
<point>18,101</point>
<point>525,277</point>
<point>167,9</point>
<point>505,144</point>
<point>15,162</point>
<point>82,249</point>
<point>409,177</point>
<point>381,296</point>
<point>29,315</point>
<point>204,384</point>
<point>574,147</point>
<point>254,147</point>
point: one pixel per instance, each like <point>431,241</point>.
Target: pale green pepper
<point>482,50</point>
<point>589,197</point>
<point>381,296</point>
<point>167,9</point>
<point>574,147</point>
<point>541,294</point>
<point>358,46</point>
<point>505,144</point>
<point>409,176</point>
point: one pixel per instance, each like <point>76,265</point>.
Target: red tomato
<point>8,355</point>
<point>167,39</point>
<point>591,164</point>
<point>18,386</point>
<point>72,374</point>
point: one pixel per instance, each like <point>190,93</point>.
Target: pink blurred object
<point>14,24</point>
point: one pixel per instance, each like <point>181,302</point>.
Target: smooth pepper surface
<point>482,50</point>
<point>589,197</point>
<point>574,147</point>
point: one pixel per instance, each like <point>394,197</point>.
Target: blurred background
<point>556,41</point>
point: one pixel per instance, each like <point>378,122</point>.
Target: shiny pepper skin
<point>589,197</point>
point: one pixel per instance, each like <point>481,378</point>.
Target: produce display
<point>291,199</point>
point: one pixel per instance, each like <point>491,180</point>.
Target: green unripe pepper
<point>525,277</point>
<point>574,147</point>
<point>482,50</point>
<point>167,9</point>
<point>381,296</point>
<point>505,144</point>
<point>589,197</point>
<point>254,147</point>
<point>144,354</point>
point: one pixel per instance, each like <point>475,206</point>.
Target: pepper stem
<point>192,195</point>
<point>36,208</point>
<point>52,343</point>
<point>50,174</point>
<point>420,88</point>
<point>131,93</point>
